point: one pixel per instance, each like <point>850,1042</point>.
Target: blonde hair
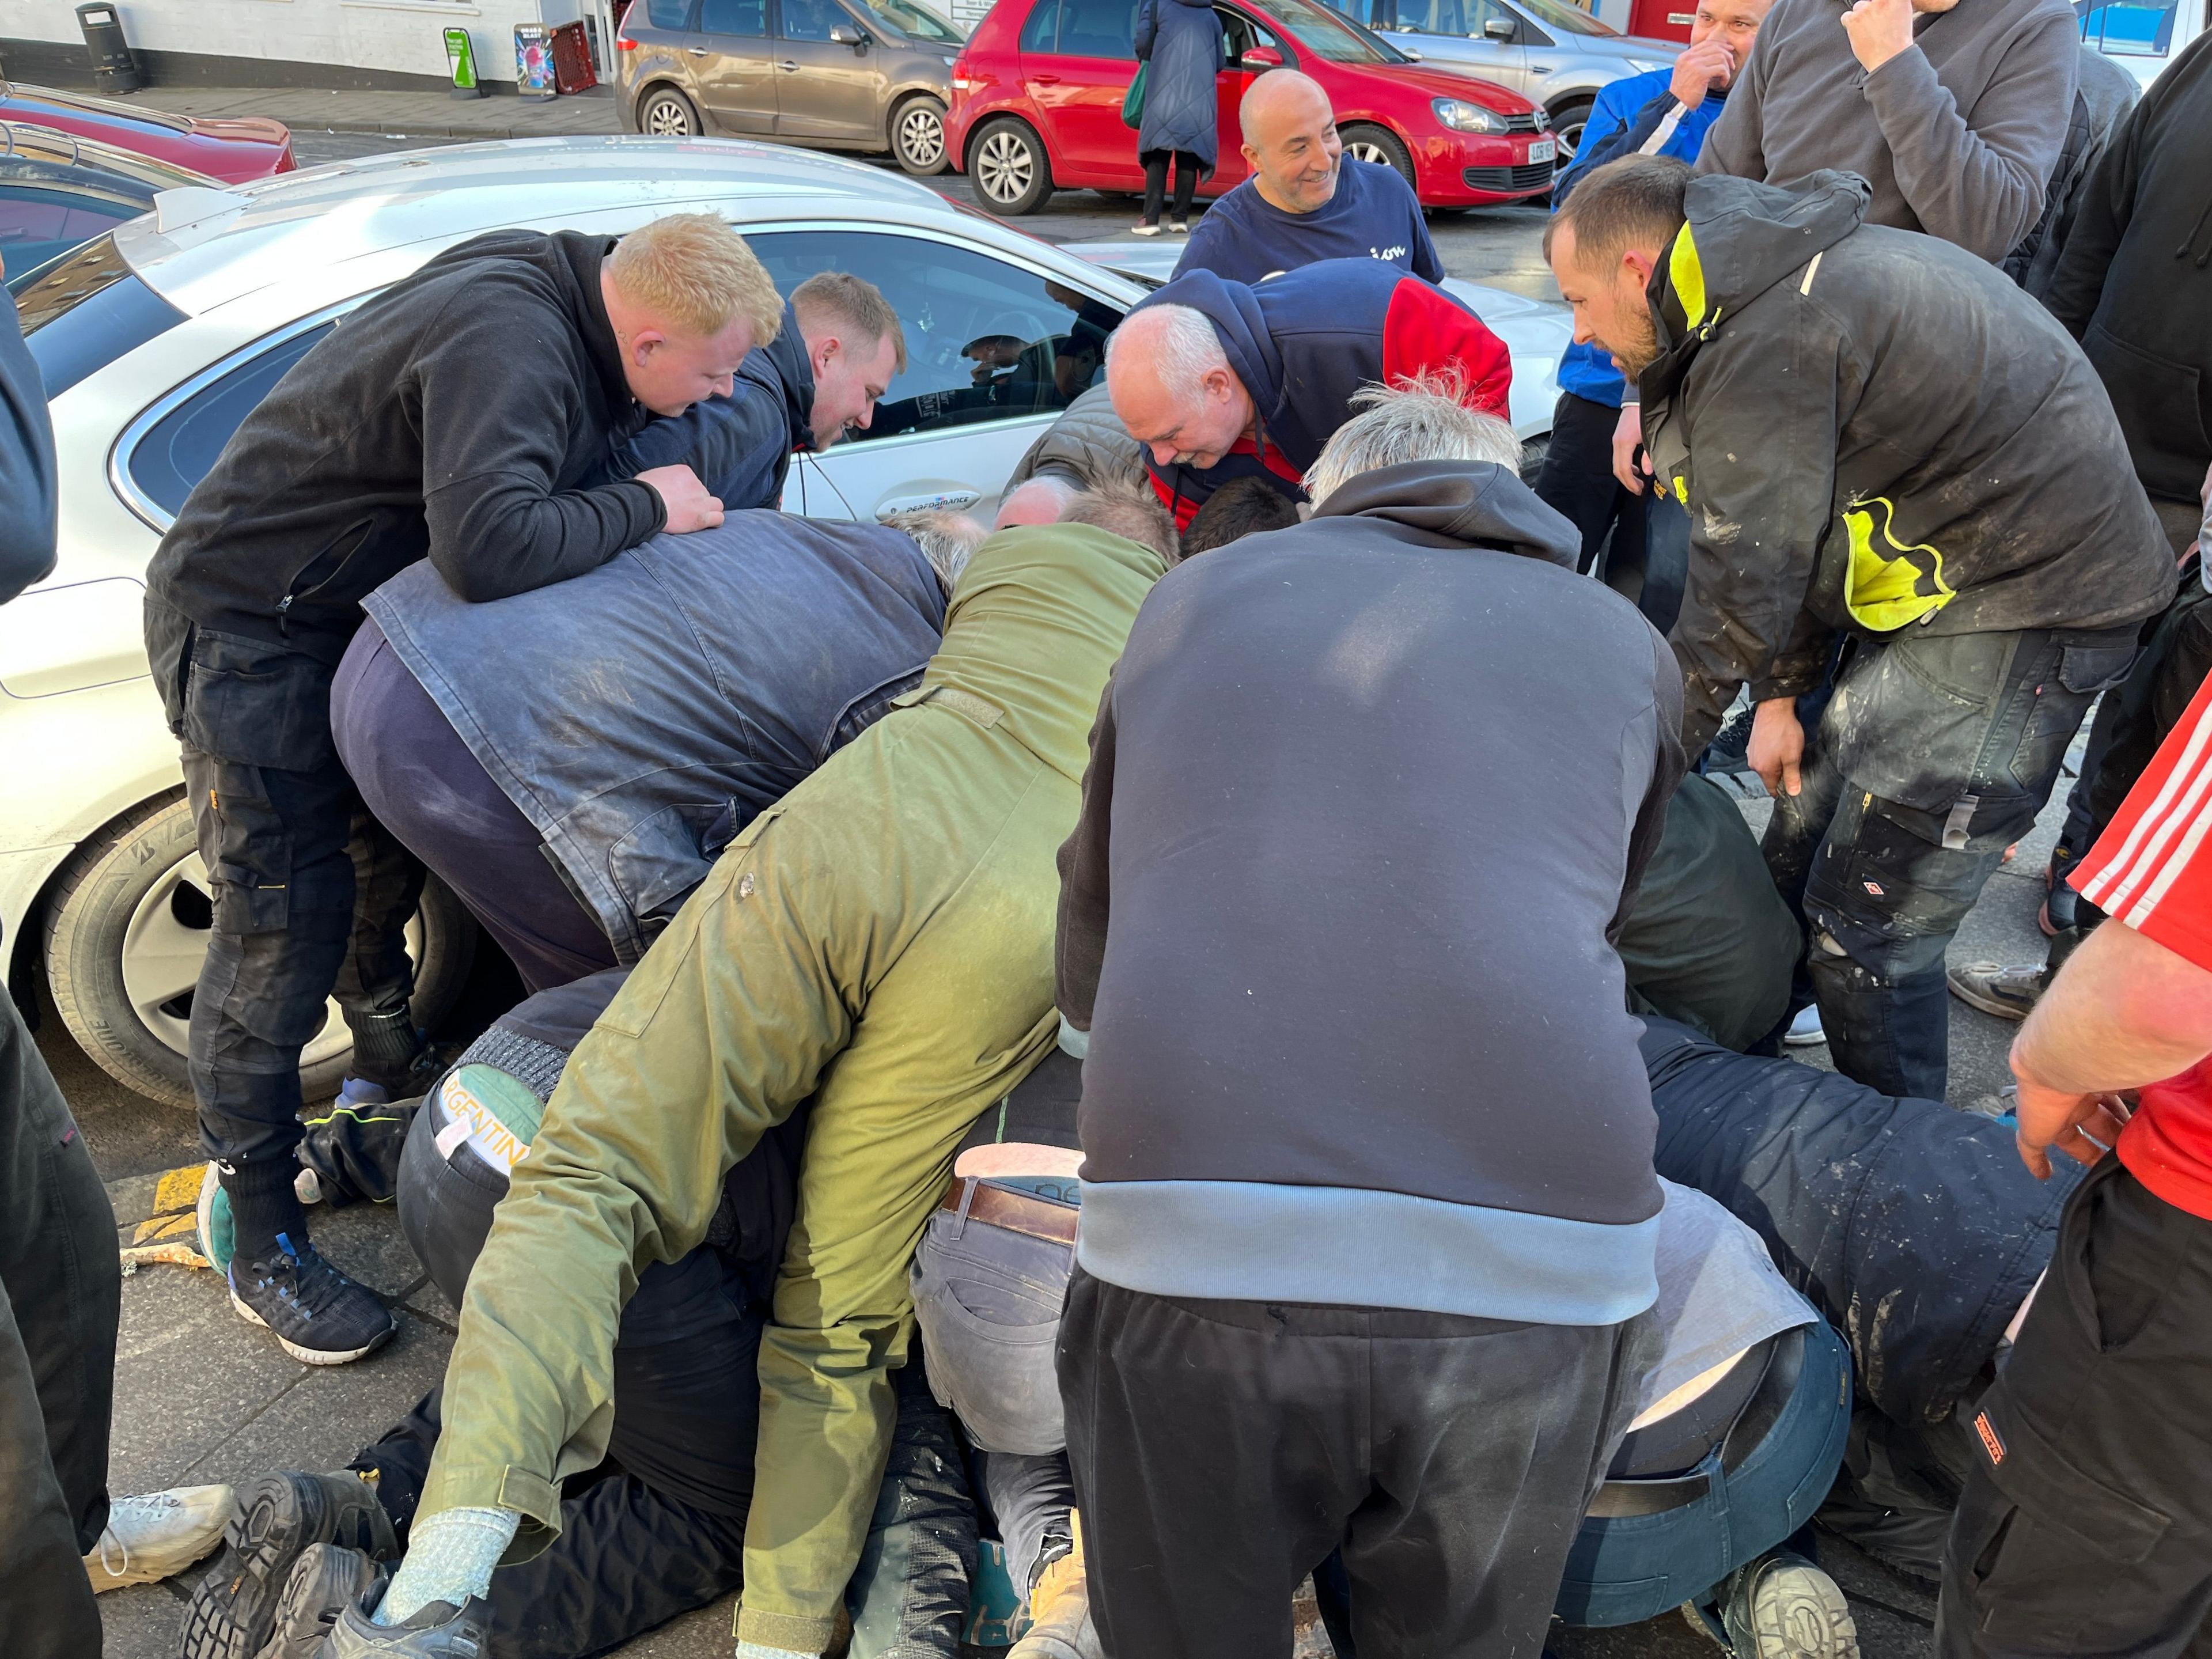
<point>857,303</point>
<point>695,275</point>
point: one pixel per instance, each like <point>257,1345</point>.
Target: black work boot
<point>324,1581</point>
<point>279,1516</point>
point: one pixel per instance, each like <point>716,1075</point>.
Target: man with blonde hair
<point>457,416</point>
<point>806,384</point>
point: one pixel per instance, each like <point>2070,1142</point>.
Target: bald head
<point>1289,140</point>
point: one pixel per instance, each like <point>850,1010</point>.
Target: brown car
<point>859,74</point>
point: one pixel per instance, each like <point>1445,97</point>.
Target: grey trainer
<point>439,1631</point>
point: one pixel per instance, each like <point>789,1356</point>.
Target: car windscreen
<point>1567,20</point>
<point>1328,34</point>
<point>83,311</point>
<point>906,18</point>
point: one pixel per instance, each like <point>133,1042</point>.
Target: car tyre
<point>1371,144</point>
<point>1009,166</point>
<point>918,137</point>
<point>666,113</point>
<point>1568,121</point>
<point>125,931</point>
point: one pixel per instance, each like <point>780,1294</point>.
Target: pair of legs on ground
<point>1637,544</point>
<point>1187,169</point>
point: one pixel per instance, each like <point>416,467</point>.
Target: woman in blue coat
<point>1181,40</point>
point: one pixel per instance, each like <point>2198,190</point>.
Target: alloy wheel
<point>922,137</point>
<point>666,117</point>
<point>1005,167</point>
<point>1375,153</point>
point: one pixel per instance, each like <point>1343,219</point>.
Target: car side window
<point>1041,31</point>
<point>1239,34</point>
<point>668,14</point>
<point>1098,29</point>
<point>985,340</point>
<point>181,449</point>
<point>748,18</point>
<point>810,19</point>
<point>37,225</point>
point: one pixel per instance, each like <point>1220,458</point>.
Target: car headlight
<point>1462,117</point>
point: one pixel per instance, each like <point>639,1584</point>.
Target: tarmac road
<point>201,1397</point>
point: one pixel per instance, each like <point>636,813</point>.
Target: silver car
<point>1551,53</point>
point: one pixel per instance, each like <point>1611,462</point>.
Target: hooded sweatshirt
<point>2134,281</point>
<point>1304,343</point>
<point>457,415</point>
<point>1340,985</point>
<point>1872,430</point>
<point>740,446</point>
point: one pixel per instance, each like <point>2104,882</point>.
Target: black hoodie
<point>455,416</point>
<point>1873,430</point>
<point>1367,799</point>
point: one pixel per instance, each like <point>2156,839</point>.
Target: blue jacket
<point>640,715</point>
<point>1626,114</point>
<point>740,446</point>
<point>1181,40</point>
<point>1305,342</point>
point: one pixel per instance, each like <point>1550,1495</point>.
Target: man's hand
<point>683,498</point>
<point>1700,69</point>
<point>1627,435</point>
<point>1777,745</point>
<point>2083,1127</point>
<point>1879,29</point>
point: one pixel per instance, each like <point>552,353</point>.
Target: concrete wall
<point>336,43</point>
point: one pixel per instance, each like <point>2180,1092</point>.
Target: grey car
<point>1550,52</point>
<point>855,74</point>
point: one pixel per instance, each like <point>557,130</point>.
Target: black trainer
<point>321,1316</point>
<point>326,1580</point>
<point>234,1611</point>
<point>439,1631</point>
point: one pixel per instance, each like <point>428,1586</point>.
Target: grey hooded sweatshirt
<point>1368,799</point>
<point>1872,430</point>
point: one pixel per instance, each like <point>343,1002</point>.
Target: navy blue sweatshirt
<point>1374,215</point>
<point>740,446</point>
<point>27,463</point>
<point>1358,1029</point>
<point>1304,343</point>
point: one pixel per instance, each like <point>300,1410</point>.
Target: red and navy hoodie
<point>1305,342</point>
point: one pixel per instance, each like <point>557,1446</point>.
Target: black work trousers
<point>1222,1449</point>
<point>2086,1526</point>
<point>1638,544</point>
<point>1187,169</point>
<point>1932,757</point>
<point>64,1290</point>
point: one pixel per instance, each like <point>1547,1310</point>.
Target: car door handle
<point>937,500</point>
<point>1044,80</point>
<point>788,67</point>
<point>696,52</point>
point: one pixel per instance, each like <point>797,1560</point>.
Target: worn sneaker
<point>1805,1031</point>
<point>158,1535</point>
<point>319,1315</point>
<point>326,1580</point>
<point>1179,226</point>
<point>218,1236</point>
<point>1144,230</point>
<point>279,1516</point>
<point>2008,992</point>
<point>2061,903</point>
<point>441,1630</point>
<point>1783,1606</point>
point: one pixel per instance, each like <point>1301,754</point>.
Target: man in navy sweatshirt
<point>1352,1225</point>
<point>1218,381</point>
<point>1304,201</point>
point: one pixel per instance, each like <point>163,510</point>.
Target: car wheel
<point>1013,173</point>
<point>667,113</point>
<point>1381,146</point>
<point>1567,124</point>
<point>127,927</point>
<point>918,137</point>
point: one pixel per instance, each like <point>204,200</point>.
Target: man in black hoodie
<point>455,416</point>
<point>1283,771</point>
<point>1886,448</point>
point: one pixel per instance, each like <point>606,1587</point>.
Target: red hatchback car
<point>1037,105</point>
<point>234,152</point>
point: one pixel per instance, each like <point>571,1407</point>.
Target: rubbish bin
<point>113,69</point>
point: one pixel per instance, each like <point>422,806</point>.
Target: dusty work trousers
<point>2086,1526</point>
<point>58,1265</point>
<point>1222,1450</point>
<point>1932,757</point>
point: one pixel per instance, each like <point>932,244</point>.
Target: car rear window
<point>181,449</point>
<point>83,311</point>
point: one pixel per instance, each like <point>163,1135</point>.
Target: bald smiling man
<point>1305,201</point>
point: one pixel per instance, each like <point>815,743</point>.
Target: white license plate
<point>1543,151</point>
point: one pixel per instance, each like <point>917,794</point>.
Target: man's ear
<point>1642,264</point>
<point>1217,384</point>
<point>643,344</point>
<point>821,351</point>
<point>1251,156</point>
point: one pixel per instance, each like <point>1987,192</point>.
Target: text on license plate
<point>1543,151</point>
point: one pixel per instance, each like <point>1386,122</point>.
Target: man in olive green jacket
<point>881,940</point>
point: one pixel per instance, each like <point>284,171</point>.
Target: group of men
<point>1309,1130</point>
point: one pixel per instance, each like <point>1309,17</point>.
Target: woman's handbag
<point>1133,102</point>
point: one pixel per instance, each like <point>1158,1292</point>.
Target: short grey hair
<point>1422,419</point>
<point>1185,352</point>
<point>1132,512</point>
<point>947,539</point>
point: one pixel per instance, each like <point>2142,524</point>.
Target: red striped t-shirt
<point>2153,870</point>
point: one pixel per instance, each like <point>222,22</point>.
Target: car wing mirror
<point>844,35</point>
<point>1262,58</point>
<point>1500,28</point>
